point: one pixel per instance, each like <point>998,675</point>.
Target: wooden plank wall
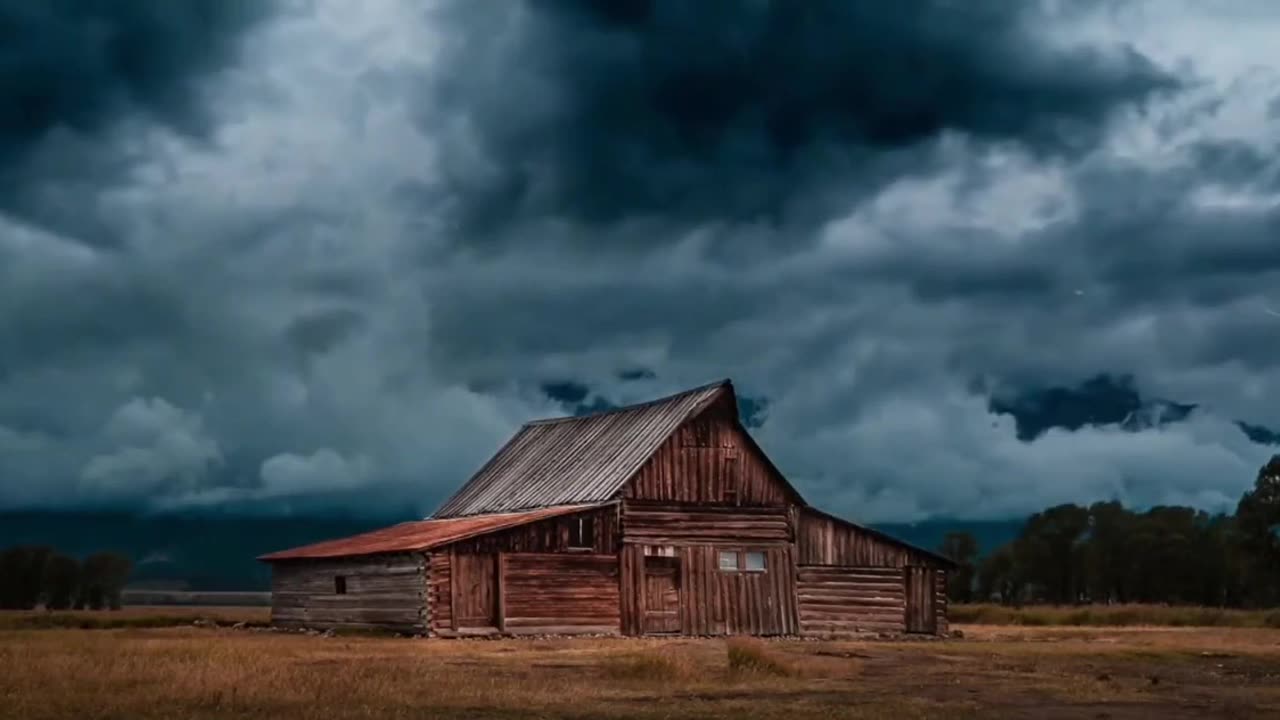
<point>716,602</point>
<point>826,541</point>
<point>940,604</point>
<point>561,594</point>
<point>439,593</point>
<point>665,524</point>
<point>836,601</point>
<point>551,535</point>
<point>708,461</point>
<point>382,591</point>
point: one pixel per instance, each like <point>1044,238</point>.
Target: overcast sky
<point>317,255</point>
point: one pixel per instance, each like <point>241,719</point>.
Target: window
<point>582,532</point>
<point>728,560</point>
<point>755,562</point>
<point>340,585</point>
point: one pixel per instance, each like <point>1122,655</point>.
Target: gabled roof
<point>576,460</point>
<point>420,535</point>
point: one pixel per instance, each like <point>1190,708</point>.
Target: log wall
<point>835,601</point>
<point>650,523</point>
<point>382,592</point>
<point>561,594</point>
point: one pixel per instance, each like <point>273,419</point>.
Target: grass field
<point>1114,616</point>
<point>1013,672</point>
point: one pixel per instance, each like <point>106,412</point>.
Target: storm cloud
<point>744,112</point>
<point>959,261</point>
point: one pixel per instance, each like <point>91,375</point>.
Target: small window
<point>728,560</point>
<point>340,585</point>
<point>582,532</point>
<point>755,562</point>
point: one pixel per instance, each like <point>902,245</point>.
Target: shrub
<point>749,655</point>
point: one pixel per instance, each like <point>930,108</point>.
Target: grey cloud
<point>296,288</point>
<point>712,111</point>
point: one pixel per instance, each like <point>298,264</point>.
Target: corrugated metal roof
<point>421,535</point>
<point>576,460</point>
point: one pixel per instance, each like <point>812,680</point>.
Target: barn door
<point>661,594</point>
<point>920,589</point>
<point>475,583</point>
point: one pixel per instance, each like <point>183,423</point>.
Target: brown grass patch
<point>749,655</point>
<point>995,672</point>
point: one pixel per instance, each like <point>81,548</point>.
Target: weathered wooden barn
<point>659,518</point>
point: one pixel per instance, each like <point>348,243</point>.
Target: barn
<point>662,518</point>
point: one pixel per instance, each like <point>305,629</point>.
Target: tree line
<point>32,576</point>
<point>1107,553</point>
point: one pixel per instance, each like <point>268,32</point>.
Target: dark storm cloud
<point>72,69</point>
<point>80,64</point>
<point>724,110</point>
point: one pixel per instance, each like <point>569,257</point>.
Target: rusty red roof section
<point>422,534</point>
<point>584,459</point>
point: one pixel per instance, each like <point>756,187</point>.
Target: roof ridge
<point>724,382</point>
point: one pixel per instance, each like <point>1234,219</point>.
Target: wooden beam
<point>454,605</point>
<point>500,560</point>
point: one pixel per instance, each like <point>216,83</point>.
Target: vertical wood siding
<point>561,594</point>
<point>474,591</point>
<point>382,591</point>
<point>713,601</point>
<point>550,535</point>
<point>708,461</point>
<point>826,541</point>
<point>836,601</point>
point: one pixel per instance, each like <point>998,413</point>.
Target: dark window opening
<point>754,562</point>
<point>340,585</point>
<point>582,532</point>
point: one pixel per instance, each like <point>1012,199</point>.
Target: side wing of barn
<point>852,579</point>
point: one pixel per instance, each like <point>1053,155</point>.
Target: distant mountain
<point>204,552</point>
<point>215,552</point>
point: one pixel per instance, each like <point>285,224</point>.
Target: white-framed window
<point>729,560</point>
<point>754,562</point>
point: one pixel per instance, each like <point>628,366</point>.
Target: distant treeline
<point>1106,553</point>
<point>35,575</point>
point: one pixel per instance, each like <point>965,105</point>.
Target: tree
<point>962,548</point>
<point>61,578</point>
<point>1108,557</point>
<point>999,575</point>
<point>1258,526</point>
<point>1050,550</point>
<point>21,573</point>
<point>102,580</point>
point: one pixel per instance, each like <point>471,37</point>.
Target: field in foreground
<point>992,672</point>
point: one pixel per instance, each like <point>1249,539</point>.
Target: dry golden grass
<point>994,672</point>
<point>1114,616</point>
<point>131,617</point>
